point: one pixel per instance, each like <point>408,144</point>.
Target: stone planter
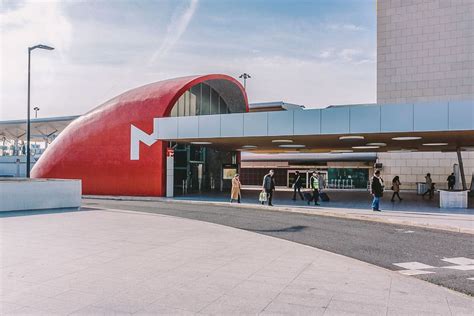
<point>20,194</point>
<point>452,199</point>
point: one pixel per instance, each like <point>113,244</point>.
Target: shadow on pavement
<point>42,212</point>
<point>290,229</point>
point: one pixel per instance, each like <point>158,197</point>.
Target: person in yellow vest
<point>235,192</point>
<point>314,182</point>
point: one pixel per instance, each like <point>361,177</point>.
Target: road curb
<point>313,211</point>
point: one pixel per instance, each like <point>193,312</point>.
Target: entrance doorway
<point>199,169</point>
<point>195,177</point>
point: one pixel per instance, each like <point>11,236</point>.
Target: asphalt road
<point>376,243</point>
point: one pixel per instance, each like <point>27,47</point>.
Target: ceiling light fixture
<point>365,147</point>
<point>435,144</point>
<point>341,151</point>
<point>401,151</point>
<point>351,137</point>
<point>201,143</point>
<point>377,144</point>
<point>282,141</point>
<point>292,146</point>
<point>407,138</point>
<point>249,146</point>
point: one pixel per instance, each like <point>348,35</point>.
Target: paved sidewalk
<point>449,221</point>
<point>109,261</point>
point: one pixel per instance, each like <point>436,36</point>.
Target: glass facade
<point>352,178</point>
<point>201,99</point>
<point>199,169</point>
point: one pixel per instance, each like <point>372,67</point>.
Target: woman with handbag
<point>396,188</point>
<point>235,192</point>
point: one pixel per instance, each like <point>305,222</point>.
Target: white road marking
<point>462,268</point>
<point>459,261</point>
<point>414,272</point>
<point>413,265</point>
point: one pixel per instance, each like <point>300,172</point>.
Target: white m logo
<point>137,136</point>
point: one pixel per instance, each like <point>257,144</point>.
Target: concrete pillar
<point>169,176</point>
<point>457,174</point>
<point>461,169</point>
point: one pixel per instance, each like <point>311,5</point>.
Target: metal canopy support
<point>461,169</point>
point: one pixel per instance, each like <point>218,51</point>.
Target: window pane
<point>186,103</point>
<point>196,92</point>
<point>205,103</point>
<point>192,104</point>
<point>181,106</point>
<point>214,102</point>
<point>223,107</point>
<point>174,110</point>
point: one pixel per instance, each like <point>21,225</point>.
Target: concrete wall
<point>412,167</point>
<point>425,50</point>
<point>37,194</point>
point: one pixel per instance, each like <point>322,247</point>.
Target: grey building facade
<point>425,53</point>
<point>425,50</point>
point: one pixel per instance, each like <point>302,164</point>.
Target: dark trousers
<point>430,192</point>
<point>315,196</point>
<point>269,196</point>
<point>299,192</point>
<point>450,186</point>
<point>396,194</point>
<point>238,199</point>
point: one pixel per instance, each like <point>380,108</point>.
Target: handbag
<point>262,197</point>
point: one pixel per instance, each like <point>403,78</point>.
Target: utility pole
<point>245,76</point>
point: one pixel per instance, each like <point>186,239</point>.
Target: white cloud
<point>179,24</point>
<point>345,27</point>
<point>326,53</point>
<point>30,24</point>
<point>104,57</point>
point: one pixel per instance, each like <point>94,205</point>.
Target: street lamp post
<point>28,124</point>
<point>36,109</point>
<point>245,76</point>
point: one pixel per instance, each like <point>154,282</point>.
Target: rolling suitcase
<point>324,197</point>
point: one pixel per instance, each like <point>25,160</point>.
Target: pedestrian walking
<point>396,188</point>
<point>314,185</point>
<point>235,192</point>
<point>269,186</point>
<point>451,181</point>
<point>429,186</point>
<point>297,186</point>
<point>376,189</point>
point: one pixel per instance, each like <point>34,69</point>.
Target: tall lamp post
<point>28,124</point>
<point>245,76</point>
<point>36,109</point>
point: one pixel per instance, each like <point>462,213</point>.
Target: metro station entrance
<point>199,169</point>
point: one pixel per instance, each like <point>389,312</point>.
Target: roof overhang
<point>433,127</point>
<point>41,128</point>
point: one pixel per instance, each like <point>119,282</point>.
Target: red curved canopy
<point>96,146</point>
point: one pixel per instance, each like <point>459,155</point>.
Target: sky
<point>310,52</point>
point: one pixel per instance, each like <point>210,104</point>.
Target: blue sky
<point>314,53</point>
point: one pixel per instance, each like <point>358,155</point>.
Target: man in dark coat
<point>451,181</point>
<point>297,186</point>
<point>376,189</point>
<point>269,186</point>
